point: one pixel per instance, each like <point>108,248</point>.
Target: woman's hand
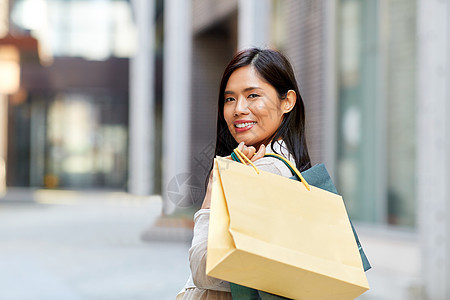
<point>250,152</point>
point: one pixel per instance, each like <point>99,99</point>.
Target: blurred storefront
<point>66,124</point>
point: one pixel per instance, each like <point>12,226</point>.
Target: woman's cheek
<point>269,112</point>
<point>230,127</point>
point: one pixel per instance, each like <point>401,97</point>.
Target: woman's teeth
<point>242,125</point>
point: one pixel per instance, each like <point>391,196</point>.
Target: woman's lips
<point>243,126</point>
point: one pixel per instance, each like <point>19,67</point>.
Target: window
<point>376,110</point>
<point>94,30</point>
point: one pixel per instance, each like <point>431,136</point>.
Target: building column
<point>141,107</point>
<point>330,88</point>
<point>177,95</point>
<point>9,84</point>
<point>3,141</point>
<point>4,20</point>
<point>433,142</point>
<point>253,24</point>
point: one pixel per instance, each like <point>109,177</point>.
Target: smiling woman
<point>252,109</point>
<point>259,85</point>
<point>260,107</point>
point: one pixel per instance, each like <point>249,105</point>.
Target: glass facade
<point>68,125</point>
<point>69,140</point>
<point>376,110</point>
<point>94,30</point>
<point>401,113</point>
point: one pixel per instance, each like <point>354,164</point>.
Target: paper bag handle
<point>293,168</point>
<point>241,156</point>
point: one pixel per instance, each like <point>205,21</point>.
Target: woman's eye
<point>229,99</point>
<point>253,96</point>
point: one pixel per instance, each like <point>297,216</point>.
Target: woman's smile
<point>243,125</point>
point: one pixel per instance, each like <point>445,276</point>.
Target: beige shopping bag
<point>274,234</point>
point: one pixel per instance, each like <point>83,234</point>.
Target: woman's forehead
<point>243,78</point>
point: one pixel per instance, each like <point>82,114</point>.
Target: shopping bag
<point>274,234</point>
<point>317,176</point>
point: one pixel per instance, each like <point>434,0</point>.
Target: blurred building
<point>123,95</point>
<point>67,119</point>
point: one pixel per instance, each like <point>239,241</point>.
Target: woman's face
<point>252,109</point>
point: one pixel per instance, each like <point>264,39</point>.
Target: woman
<point>260,111</point>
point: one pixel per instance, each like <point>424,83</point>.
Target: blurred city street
<point>86,245</point>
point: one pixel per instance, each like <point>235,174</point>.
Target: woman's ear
<point>288,103</point>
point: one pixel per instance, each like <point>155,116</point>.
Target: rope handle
<point>291,167</point>
<point>242,157</point>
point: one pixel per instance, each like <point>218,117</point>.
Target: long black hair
<point>275,69</point>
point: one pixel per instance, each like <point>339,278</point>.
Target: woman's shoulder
<point>273,164</point>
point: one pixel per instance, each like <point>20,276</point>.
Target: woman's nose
<point>241,106</point>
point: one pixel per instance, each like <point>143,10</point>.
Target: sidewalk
<point>86,245</point>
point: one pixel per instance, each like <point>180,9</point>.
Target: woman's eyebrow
<point>244,90</point>
<point>251,88</point>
